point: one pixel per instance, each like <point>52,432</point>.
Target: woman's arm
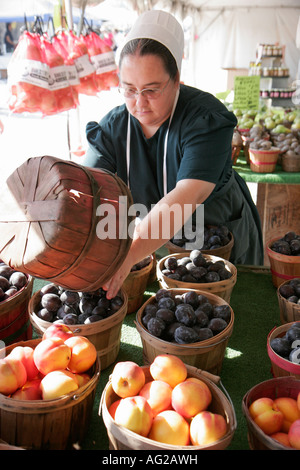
<point>165,219</point>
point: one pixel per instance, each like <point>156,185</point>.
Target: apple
<point>266,415</point>
<point>170,427</point>
<point>289,409</point>
<point>189,398</point>
<point>158,394</point>
<point>13,375</point>
<point>281,437</point>
<point>51,354</point>
<point>127,379</point>
<point>294,434</point>
<point>134,413</point>
<point>112,408</point>
<point>31,390</point>
<point>25,355</point>
<point>206,428</point>
<point>58,329</point>
<point>58,383</point>
<point>83,354</point>
<point>168,368</point>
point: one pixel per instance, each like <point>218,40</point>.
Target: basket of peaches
<point>167,405</point>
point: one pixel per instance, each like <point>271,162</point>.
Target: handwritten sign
<point>246,92</point>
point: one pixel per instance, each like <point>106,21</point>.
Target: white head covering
<point>162,27</point>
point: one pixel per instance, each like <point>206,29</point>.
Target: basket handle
<point>214,378</point>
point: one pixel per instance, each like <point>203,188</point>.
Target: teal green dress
<point>198,147</point>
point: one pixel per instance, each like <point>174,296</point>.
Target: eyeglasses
<point>148,93</point>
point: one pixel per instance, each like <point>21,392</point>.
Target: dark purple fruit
<point>171,263</point>
<point>51,302</point>
<point>170,330</point>
<point>70,319</point>
<point>185,314</point>
<point>116,303</point>
<point>222,311</point>
<point>10,292</point>
<point>82,317</point>
<point>286,290</point>
<point>4,283</point>
<point>18,280</point>
<point>156,327</point>
<point>217,325</point>
<point>166,302</point>
<point>49,289</point>
<point>292,333</point>
<point>212,277</point>
<point>191,298</point>
<point>45,315</point>
<point>280,346</point>
<point>204,333</point>
<point>201,318</point>
<point>162,293</point>
<point>165,314</point>
<point>150,308</point>
<point>92,319</point>
<point>70,297</point>
<point>185,335</point>
<point>6,271</point>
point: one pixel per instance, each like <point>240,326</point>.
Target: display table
<point>278,200</point>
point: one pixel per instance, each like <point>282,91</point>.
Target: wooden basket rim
<point>14,299</point>
<point>278,256</point>
<point>280,361</point>
<point>226,247</point>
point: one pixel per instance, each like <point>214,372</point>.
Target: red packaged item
<point>103,59</point>
<point>60,43</point>
<point>79,54</point>
<point>28,78</point>
<point>58,79</point>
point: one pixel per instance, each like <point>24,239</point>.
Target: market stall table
<point>278,200</point>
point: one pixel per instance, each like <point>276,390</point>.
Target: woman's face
<point>148,71</point>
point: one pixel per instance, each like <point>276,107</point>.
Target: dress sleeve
<point>206,141</point>
<point>100,152</point>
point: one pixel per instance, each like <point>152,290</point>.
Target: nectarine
<point>51,354</point>
<point>189,398</point>
<point>207,428</point>
<point>127,379</point>
<point>13,375</point>
<point>170,427</point>
<point>282,438</point>
<point>158,394</point>
<point>58,329</point>
<point>168,368</point>
<point>83,354</point>
<point>57,383</point>
<point>289,409</point>
<point>31,390</point>
<point>294,434</point>
<point>112,408</point>
<point>25,355</point>
<point>266,415</point>
<point>134,413</point>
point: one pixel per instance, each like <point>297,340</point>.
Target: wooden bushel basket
<point>104,334</point>
<point>263,161</point>
<point>65,223</point>
<point>283,267</point>
<point>135,285</point>
<point>207,355</point>
<point>221,288</point>
<point>48,424</point>
<point>289,311</point>
<point>121,438</point>
<point>281,367</point>
<point>14,317</point>
<point>273,388</point>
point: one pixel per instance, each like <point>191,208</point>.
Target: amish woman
<point>171,144</point>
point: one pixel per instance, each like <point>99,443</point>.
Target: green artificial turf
<point>246,362</point>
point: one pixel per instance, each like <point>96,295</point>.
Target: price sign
<point>246,92</point>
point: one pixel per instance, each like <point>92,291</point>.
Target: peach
<point>298,400</point>
<point>158,394</point>
<point>25,355</point>
<point>198,381</point>
<point>51,354</point>
<point>58,329</point>
<point>289,409</point>
<point>13,375</point>
<point>127,379</point>
<point>31,390</point>
<point>58,383</point>
<point>266,415</point>
<point>134,413</point>
<point>282,438</point>
<point>82,379</point>
<point>294,434</point>
<point>206,428</point>
<point>112,408</point>
<point>83,354</point>
<point>170,427</point>
<point>189,398</point>
<point>168,368</point>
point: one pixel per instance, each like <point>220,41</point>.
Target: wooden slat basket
<point>263,161</point>
<point>64,222</point>
<point>273,388</point>
<point>121,438</point>
<point>105,334</point>
<point>207,355</point>
<point>222,288</point>
<point>283,267</point>
<point>135,285</point>
<point>57,424</point>
<point>281,367</point>
<point>14,317</point>
<point>289,311</point>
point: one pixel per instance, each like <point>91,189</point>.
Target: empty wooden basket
<point>64,223</point>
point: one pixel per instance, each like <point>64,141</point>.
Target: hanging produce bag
<point>103,59</point>
<point>28,78</point>
<point>58,79</point>
<point>60,43</point>
<point>86,72</point>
